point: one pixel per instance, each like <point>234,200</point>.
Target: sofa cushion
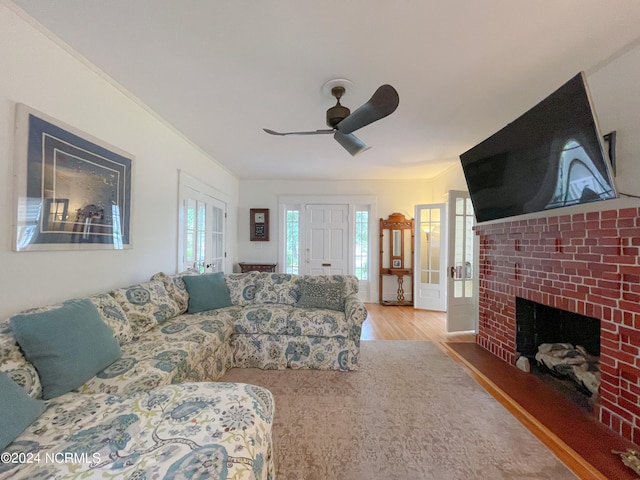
<point>351,282</point>
<point>277,288</point>
<point>18,410</point>
<point>145,365</point>
<point>207,292</point>
<point>242,287</point>
<point>112,314</point>
<point>270,319</point>
<point>175,286</point>
<point>318,295</point>
<point>67,345</point>
<point>193,430</point>
<point>146,304</point>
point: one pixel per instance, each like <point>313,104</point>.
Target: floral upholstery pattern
<point>189,347</point>
<point>277,288</point>
<point>242,287</point>
<point>193,430</point>
<point>113,315</point>
<point>284,351</point>
<point>145,416</point>
<point>276,319</point>
<point>146,304</point>
<point>176,287</point>
<point>15,364</point>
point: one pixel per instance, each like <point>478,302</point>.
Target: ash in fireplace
<point>575,363</point>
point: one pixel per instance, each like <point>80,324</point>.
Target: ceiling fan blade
<point>315,132</point>
<point>384,102</point>
<point>351,143</point>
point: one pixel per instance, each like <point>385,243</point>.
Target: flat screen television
<point>550,157</point>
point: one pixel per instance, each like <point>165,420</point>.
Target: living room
<point>42,72</point>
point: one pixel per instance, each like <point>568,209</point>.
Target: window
<point>361,255</point>
<point>292,247</point>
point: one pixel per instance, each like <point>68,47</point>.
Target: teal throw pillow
<point>321,295</point>
<point>207,292</point>
<point>18,410</point>
<point>68,345</point>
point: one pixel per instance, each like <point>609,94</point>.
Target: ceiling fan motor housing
<point>337,113</point>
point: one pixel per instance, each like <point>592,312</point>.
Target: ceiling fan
<point>342,122</point>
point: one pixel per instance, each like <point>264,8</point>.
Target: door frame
<point>187,181</point>
<point>354,201</point>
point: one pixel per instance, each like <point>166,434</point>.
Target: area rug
<point>410,412</point>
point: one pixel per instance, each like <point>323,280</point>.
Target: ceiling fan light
<point>351,143</point>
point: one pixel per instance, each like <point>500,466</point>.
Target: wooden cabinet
<point>257,267</point>
<point>397,236</point>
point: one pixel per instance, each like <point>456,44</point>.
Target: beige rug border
<point>572,459</point>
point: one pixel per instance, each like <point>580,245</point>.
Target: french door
<point>462,268</point>
<point>430,283</point>
<point>202,229</point>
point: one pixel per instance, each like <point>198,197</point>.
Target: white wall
<point>391,196</point>
<point>40,73</point>
<point>615,91</point>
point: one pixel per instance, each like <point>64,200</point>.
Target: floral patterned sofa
<point>141,403</point>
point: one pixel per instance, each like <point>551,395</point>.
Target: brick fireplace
<point>587,263</point>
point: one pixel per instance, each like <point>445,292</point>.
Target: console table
<point>257,267</point>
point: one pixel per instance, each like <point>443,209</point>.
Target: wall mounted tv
<point>552,156</point>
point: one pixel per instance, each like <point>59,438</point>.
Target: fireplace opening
<point>562,347</point>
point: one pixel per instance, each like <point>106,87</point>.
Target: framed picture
<point>259,225</point>
<point>72,191</point>
<point>396,263</point>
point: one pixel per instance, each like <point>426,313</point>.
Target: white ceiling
<point>220,71</point>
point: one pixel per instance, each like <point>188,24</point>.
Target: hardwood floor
<point>407,323</point>
<point>581,442</point>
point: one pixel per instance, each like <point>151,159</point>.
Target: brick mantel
<point>586,263</point>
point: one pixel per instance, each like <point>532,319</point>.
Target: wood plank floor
<point>581,442</point>
<point>407,323</point>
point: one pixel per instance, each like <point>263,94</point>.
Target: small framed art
<point>259,224</point>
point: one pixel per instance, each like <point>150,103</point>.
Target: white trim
<point>353,201</point>
<point>187,181</point>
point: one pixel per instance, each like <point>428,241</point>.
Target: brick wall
<point>586,263</point>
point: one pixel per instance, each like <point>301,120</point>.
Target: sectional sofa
<point>122,384</point>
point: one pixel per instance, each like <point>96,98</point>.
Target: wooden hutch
<point>396,262</point>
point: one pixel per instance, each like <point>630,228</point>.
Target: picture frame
<point>71,190</point>
<point>259,224</point>
<point>396,263</point>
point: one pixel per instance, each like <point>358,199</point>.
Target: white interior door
<point>430,284</point>
<point>462,265</point>
<point>202,225</point>
<point>327,239</point>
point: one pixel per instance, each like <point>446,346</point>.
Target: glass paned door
<point>430,284</point>
<point>461,308</point>
<point>202,235</point>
